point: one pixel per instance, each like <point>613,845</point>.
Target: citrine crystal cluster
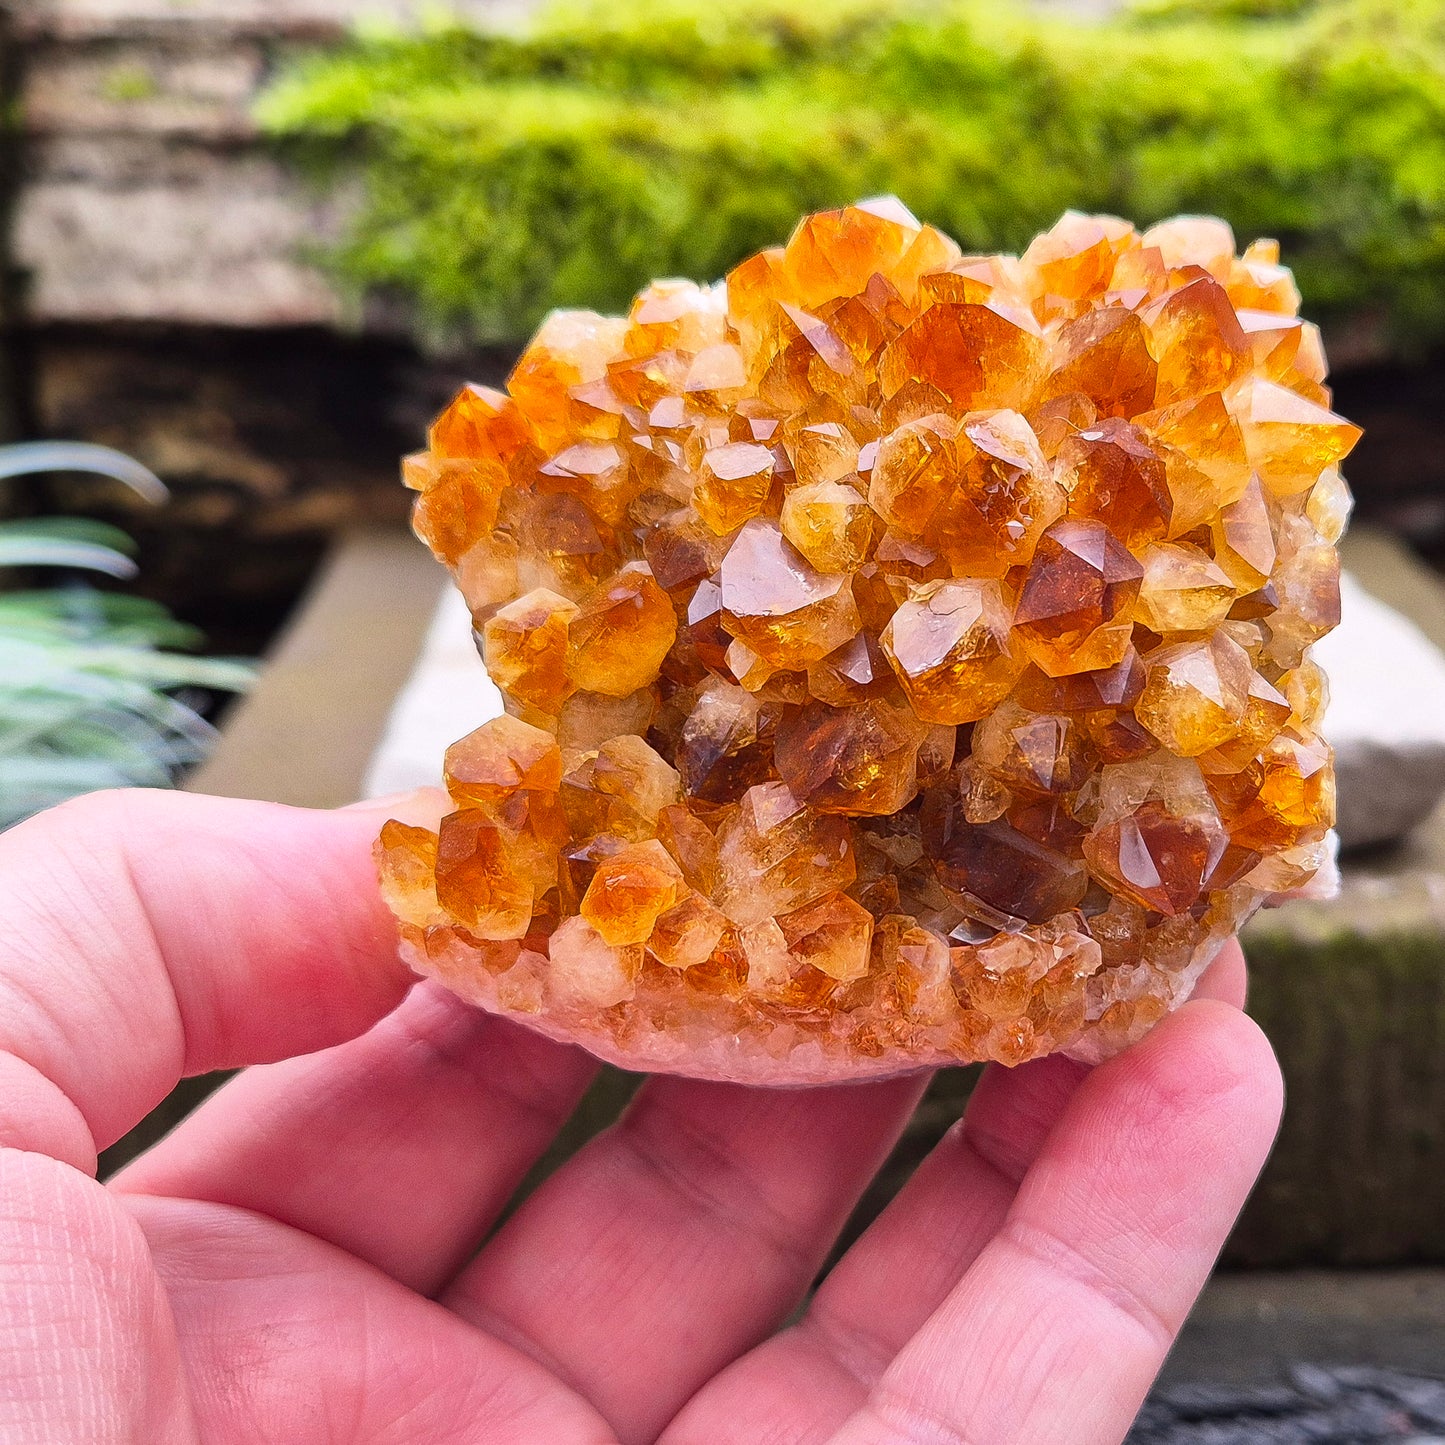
<point>905,653</point>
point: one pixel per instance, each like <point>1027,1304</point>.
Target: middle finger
<point>679,1238</point>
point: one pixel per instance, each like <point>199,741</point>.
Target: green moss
<point>130,83</point>
<point>1357,1018</point>
<point>504,175</point>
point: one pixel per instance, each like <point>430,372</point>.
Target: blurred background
<point>254,245</point>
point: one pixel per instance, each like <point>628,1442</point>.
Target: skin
<point>300,1260</point>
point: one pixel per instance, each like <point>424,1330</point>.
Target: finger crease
<point>509,1332</point>
<point>910,1423</point>
<point>739,1205</point>
<point>992,1157</point>
<point>157,950</point>
<point>513,1080</point>
<point>862,1354</point>
<point>1059,1257</point>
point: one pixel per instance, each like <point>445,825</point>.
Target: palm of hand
<point>299,1261</point>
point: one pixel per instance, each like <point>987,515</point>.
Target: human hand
<point>298,1261</point>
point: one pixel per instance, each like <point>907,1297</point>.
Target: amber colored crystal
<point>630,891</point>
<point>622,632</point>
<point>733,483</point>
<point>1104,356</point>
<point>1013,874</point>
<point>949,645</point>
<point>1154,859</point>
<point>479,880</point>
<point>1282,795</point>
<point>1195,694</point>
<point>905,655</point>
<point>789,613</point>
<point>1073,609</point>
<point>857,760</point>
<point>913,472</point>
<point>1003,498</point>
<point>1290,440</point>
<point>525,646</point>
<point>1113,475</point>
<point>1184,589</point>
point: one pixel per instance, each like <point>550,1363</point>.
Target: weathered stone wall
<point>166,303</point>
<point>147,195</point>
<point>10,419</point>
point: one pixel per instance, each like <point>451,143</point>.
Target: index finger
<point>151,935</point>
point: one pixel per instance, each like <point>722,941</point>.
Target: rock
<point>147,192</point>
<point>1319,1406</point>
<point>1386,719</point>
<point>447,695</point>
<point>299,19</point>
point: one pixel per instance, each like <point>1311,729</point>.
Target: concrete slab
<point>1386,718</point>
<point>1250,1328</point>
<point>447,696</point>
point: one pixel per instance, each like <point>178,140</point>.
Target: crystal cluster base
<point>906,654</point>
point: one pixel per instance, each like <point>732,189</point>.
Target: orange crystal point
<point>971,355</point>
<point>1290,439</point>
<point>1113,475</point>
<point>622,632</point>
<point>1075,260</point>
<point>1004,498</point>
<point>733,484</point>
<point>1072,612</point>
<point>830,524</point>
<point>949,645</point>
<point>905,654</point>
<point>630,891</point>
<point>481,424</point>
<point>479,880</point>
<point>1195,694</point>
<point>1104,356</point>
<point>1154,859</point>
<point>525,647</point>
<point>773,600</point>
<point>858,760</point>
<point>1184,589</point>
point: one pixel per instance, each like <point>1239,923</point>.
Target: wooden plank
<point>307,732</point>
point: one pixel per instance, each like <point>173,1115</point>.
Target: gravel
<point>1313,1405</point>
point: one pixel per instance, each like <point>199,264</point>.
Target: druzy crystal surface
<point>905,653</point>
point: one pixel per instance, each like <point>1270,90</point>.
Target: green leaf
<point>34,549</point>
<point>86,689</point>
<point>29,458</point>
<point>70,529</point>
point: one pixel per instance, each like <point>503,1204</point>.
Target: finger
<point>151,935</point>
<point>1062,1322</point>
<point>856,1319</point>
<point>402,1146</point>
<point>286,1339</point>
<point>678,1239</point>
<point>802,1384</point>
<point>88,1348</point>
<point>1227,978</point>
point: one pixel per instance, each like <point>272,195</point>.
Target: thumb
<point>148,935</point>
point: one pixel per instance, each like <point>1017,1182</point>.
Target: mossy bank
<point>567,165</point>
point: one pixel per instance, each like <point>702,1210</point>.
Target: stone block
<point>1386,719</point>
